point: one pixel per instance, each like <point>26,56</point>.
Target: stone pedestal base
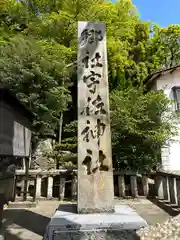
<point>100,235</point>
<point>96,210</point>
<point>66,224</point>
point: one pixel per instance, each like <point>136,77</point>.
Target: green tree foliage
<point>34,70</point>
<point>170,45</point>
<point>163,48</point>
<point>38,40</point>
<point>65,154</point>
<point>141,123</point>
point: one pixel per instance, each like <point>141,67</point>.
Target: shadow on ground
<point>24,219</point>
<point>71,208</point>
<point>9,236</point>
<point>172,210</point>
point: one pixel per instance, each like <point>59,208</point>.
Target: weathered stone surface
<point>134,189</point>
<point>159,187</point>
<point>145,185</point>
<point>50,187</point>
<point>44,145</point>
<point>120,225</point>
<point>39,159</point>
<point>166,189</point>
<point>121,186</point>
<point>92,235</point>
<point>74,187</point>
<point>38,187</point>
<point>95,177</point>
<point>96,197</point>
<point>62,188</point>
<point>178,191</point>
<point>173,190</point>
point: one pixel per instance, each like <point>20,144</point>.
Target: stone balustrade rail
<point>167,186</point>
<point>62,184</point>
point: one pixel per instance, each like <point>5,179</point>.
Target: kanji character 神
<point>93,133</point>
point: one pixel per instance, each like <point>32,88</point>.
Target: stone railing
<point>62,184</point>
<point>42,184</point>
<point>167,185</point>
<point>131,184</point>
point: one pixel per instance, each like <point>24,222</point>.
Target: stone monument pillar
<point>95,173</point>
<point>97,217</point>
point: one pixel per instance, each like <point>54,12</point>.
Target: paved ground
<point>28,224</point>
<point>147,210</point>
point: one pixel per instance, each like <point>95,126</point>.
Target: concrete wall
<point>171,153</point>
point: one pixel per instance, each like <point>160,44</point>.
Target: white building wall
<point>171,154</point>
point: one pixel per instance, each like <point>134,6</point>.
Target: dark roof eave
<point>159,73</point>
<point>8,96</point>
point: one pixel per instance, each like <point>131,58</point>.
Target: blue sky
<point>162,12</point>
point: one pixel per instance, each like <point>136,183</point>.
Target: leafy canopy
<point>38,40</point>
<point>141,123</point>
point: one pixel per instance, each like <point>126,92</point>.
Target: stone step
<point>27,204</point>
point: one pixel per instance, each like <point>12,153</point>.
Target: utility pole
<point>61,120</point>
<point>61,113</point>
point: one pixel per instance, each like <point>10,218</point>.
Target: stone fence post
<point>50,187</point>
<point>38,186</point>
<point>121,185</point>
<point>159,187</point>
<point>74,187</point>
<point>1,215</point>
<point>134,188</point>
<point>178,191</point>
<point>62,188</point>
<point>145,185</point>
<point>166,188</point>
<point>173,190</point>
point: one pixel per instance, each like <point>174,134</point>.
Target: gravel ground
<point>169,230</point>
